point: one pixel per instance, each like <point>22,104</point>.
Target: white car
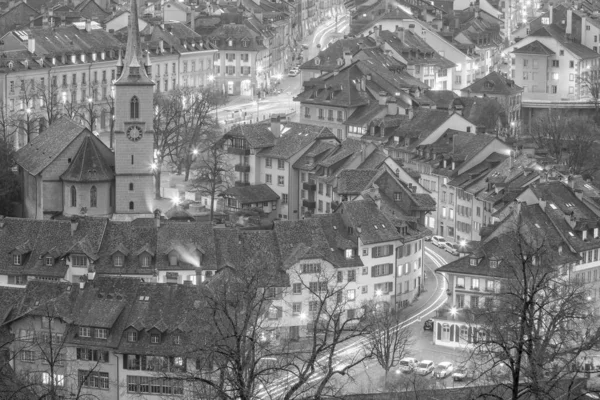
<point>293,72</point>
<point>438,241</point>
<point>424,367</point>
<point>408,364</point>
<point>443,369</point>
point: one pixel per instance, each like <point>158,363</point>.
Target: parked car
<point>427,238</point>
<point>428,325</point>
<point>452,248</point>
<point>305,47</point>
<point>438,241</point>
<point>443,369</point>
<point>408,364</point>
<point>425,367</point>
<point>462,374</point>
<point>293,72</point>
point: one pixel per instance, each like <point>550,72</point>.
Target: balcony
<point>309,204</point>
<point>310,185</point>
<point>242,168</point>
<point>240,151</point>
<point>241,183</point>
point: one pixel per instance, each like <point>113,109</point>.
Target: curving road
<point>437,298</point>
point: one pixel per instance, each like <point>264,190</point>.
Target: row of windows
<point>475,284</point>
<point>93,379</point>
<point>98,333</point>
<point>280,180</point>
<point>330,116</point>
<point>269,163</point>
<point>147,384</point>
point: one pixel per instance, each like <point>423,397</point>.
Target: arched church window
<point>73,196</point>
<point>93,197</point>
<point>131,205</point>
<point>134,108</point>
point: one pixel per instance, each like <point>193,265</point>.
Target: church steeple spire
<point>134,71</point>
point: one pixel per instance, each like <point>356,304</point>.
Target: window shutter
<point>475,339</point>
<point>105,355</point>
<point>469,335</point>
<point>390,248</point>
<point>279,312</point>
<point>78,353</point>
<point>125,357</point>
<point>373,269</point>
<point>452,333</point>
<point>439,331</point>
<point>11,280</point>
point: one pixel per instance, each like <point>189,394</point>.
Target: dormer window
<point>473,262</point>
<point>230,43</point>
<point>118,260</point>
<point>83,58</point>
<point>17,259</point>
<point>173,258</point>
<point>340,62</point>
<point>145,260</point>
<point>85,331</point>
<point>493,263</point>
<point>73,59</point>
<point>317,61</point>
<point>103,55</point>
<point>177,339</point>
<point>49,261</point>
<point>94,56</point>
<point>349,253</point>
<point>155,338</point>
<point>79,260</point>
<point>132,336</point>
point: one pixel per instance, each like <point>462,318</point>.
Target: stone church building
<point>67,170</point>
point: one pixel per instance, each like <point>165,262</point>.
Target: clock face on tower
<point>134,133</point>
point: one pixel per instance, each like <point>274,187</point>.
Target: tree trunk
<point>212,204</point>
<point>157,175</point>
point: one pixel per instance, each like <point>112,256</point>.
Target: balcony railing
<point>309,204</point>
<point>242,167</point>
<point>238,151</point>
<point>310,185</point>
<point>242,183</point>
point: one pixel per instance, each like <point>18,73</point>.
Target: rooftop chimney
<point>88,25</point>
<point>392,107</point>
<point>74,224</point>
<point>383,96</point>
<point>157,218</point>
<point>579,194</point>
<point>400,33</point>
<point>2,221</point>
<point>275,126</point>
<point>31,45</point>
<point>551,13</point>
<point>569,27</point>
<point>411,113</point>
<point>347,56</point>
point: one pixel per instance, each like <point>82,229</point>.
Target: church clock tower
<point>134,135</point>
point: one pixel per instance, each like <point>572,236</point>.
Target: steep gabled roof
<point>493,83</point>
<point>88,165</point>
<point>535,47</point>
<point>45,148</point>
<point>294,137</point>
<point>251,194</point>
<point>354,181</point>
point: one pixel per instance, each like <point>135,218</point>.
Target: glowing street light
<point>453,312</point>
<point>378,292</point>
<point>463,243</point>
<point>259,69</point>
<point>153,166</point>
<point>176,201</point>
<point>211,78</point>
<point>302,316</point>
<point>195,152</point>
<point>278,77</point>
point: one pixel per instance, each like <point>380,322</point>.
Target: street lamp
<point>195,152</point>
<point>453,312</point>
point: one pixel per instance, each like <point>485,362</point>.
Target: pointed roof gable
<point>45,148</point>
<point>134,71</point>
<point>88,165</point>
<point>535,47</point>
<point>493,83</point>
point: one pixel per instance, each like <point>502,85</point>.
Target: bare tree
<point>589,84</point>
<point>253,352</point>
<point>43,356</point>
<point>89,112</point>
<point>389,340</point>
<point>528,335</point>
<point>49,96</point>
<point>567,138</point>
<point>197,121</point>
<point>167,115</point>
<point>213,173</point>
<point>9,184</point>
<point>110,107</point>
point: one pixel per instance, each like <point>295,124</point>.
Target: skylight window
<point>569,204</point>
<point>553,206</point>
<point>335,228</point>
<point>588,186</point>
<point>537,225</point>
<point>375,226</point>
<point>383,225</point>
<point>571,234</point>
